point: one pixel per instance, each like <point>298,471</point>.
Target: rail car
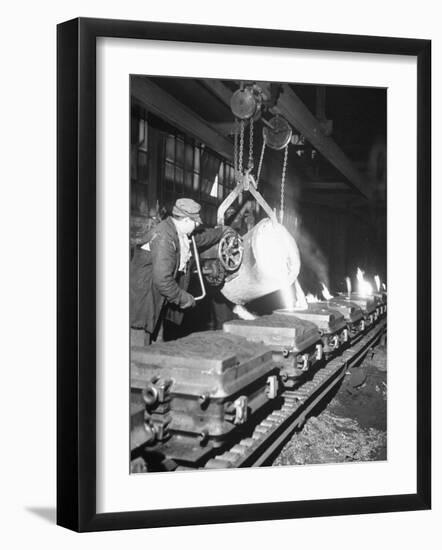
<point>193,398</point>
<point>296,344</point>
<point>371,306</point>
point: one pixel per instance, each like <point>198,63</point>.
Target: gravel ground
<point>351,426</point>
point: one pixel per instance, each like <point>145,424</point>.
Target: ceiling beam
<point>219,89</point>
<point>224,128</point>
<point>168,108</point>
<point>293,109</point>
<point>297,114</point>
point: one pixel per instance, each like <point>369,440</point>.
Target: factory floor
<point>349,426</point>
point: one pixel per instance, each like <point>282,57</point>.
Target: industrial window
<point>139,147</point>
<point>193,170</point>
<point>139,160</point>
<point>182,165</point>
<point>226,180</point>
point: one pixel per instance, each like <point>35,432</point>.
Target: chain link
<point>235,148</point>
<point>284,170</point>
<point>241,146</point>
<point>250,163</point>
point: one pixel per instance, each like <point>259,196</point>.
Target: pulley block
<point>277,133</point>
<point>246,102</point>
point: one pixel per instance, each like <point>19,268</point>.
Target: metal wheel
<point>230,251</point>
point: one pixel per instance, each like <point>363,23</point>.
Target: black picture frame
<point>76,273</point>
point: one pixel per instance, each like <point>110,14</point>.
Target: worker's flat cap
<point>187,208</point>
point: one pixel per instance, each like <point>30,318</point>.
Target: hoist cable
<point>258,174</point>
<point>284,170</point>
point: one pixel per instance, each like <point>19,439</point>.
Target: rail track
<point>273,431</point>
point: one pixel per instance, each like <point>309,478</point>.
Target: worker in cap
<point>187,208</point>
<point>159,274</point>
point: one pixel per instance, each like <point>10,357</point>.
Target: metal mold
<point>200,388</point>
<point>296,344</point>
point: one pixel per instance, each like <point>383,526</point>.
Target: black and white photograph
<point>221,254</point>
<point>258,274</point>
<point>243,263</point>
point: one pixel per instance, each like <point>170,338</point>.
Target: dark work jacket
<point>153,275</point>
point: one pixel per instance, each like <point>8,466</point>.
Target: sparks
<point>377,280</point>
<point>364,287</point>
<point>326,293</point>
<point>301,302</point>
<point>348,282</point>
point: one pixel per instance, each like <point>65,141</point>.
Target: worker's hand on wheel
<point>190,302</point>
<point>228,229</point>
<point>225,228</point>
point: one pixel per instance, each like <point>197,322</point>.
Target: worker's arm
<point>163,250</point>
<point>210,236</point>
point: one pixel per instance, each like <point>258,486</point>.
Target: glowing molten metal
<point>364,287</point>
<point>348,282</point>
<point>377,280</point>
<point>326,293</point>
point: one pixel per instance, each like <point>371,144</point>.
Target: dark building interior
<point>183,136</point>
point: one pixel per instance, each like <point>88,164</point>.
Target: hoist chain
<point>250,163</point>
<point>241,147</point>
<point>258,174</point>
<point>235,149</point>
<point>284,169</point>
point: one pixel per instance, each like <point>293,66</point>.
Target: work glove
<point>227,230</point>
<point>224,228</point>
<point>190,301</point>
